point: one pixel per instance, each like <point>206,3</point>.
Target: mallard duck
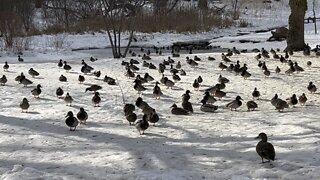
<point>131,117</point>
<point>62,78</point>
<point>33,72</point>
<point>82,116</point>
<point>207,107</point>
<point>255,93</point>
<point>3,80</point>
<point>265,149</point>
<point>97,74</point>
<point>127,108</point>
<point>142,125</point>
<point>6,66</point>
<point>278,70</point>
<point>109,80</point>
<point>157,93</point>
<point>60,63</point>
<point>68,99</point>
<point>66,66</point>
<point>93,88</point>
<point>251,105</point>
<point>168,83</point>
<point>59,92</point>
<point>303,99</point>
<point>312,88</point>
<point>25,82</point>
<point>71,121</point>
<point>37,91</point>
<point>81,79</point>
<point>96,99</point>
<point>196,85</point>
<point>293,100</point>
<point>208,98</point>
<point>178,111</point>
<point>233,105</point>
<point>153,117</point>
<point>20,59</point>
<point>24,105</point>
<point>222,79</point>
<point>187,106</point>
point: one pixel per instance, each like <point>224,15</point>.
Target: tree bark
<point>295,40</point>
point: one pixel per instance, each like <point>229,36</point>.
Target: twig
<point>123,98</point>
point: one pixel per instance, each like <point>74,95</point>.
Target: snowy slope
<point>200,146</point>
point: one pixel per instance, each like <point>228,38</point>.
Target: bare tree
<point>295,40</point>
<point>115,14</point>
<point>314,16</point>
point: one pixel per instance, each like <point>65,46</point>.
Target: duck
<point>37,91</point>
<point>157,93</point>
<point>96,99</point>
<point>109,80</point>
<point>142,104</point>
<point>153,117</point>
<point>219,94</point>
<point>281,104</point>
<point>187,106</point>
<point>62,78</point>
<point>129,74</point>
<point>176,77</point>
<point>303,99</point>
<point>178,111</point>
<point>245,74</point>
<point>92,59</point>
<point>207,107</point>
<point>147,77</point>
<point>182,72</point>
<point>152,66</point>
<point>81,79</point>
<point>293,100</point>
<point>66,66</point>
<point>131,117</point>
<point>3,80</point>
<point>24,105</point>
<point>278,70</point>
<point>142,125</point>
<point>19,77</point>
<point>235,51</point>
<point>139,87</point>
<point>196,58</point>
<point>265,149</point>
<point>134,61</point>
<point>25,82</point>
<point>200,80</point>
<point>97,74</point>
<point>297,68</point>
<point>127,108</point>
<point>222,79</point>
<point>168,83</point>
<point>311,87</point>
<point>59,92</point>
<point>145,64</point>
<point>60,63</point>
<point>85,69</point>
<point>196,84</point>
<point>309,63</point>
<point>68,99</point>
<point>251,105</point>
<point>186,96</point>
<point>208,98</point>
<point>33,72</point>
<point>178,65</point>
<point>6,66</point>
<point>266,73</point>
<point>71,121</point>
<point>225,58</point>
<point>82,116</point>
<point>86,65</point>
<point>274,100</point>
<point>222,66</point>
<point>291,70</point>
<point>161,68</point>
<point>210,58</point>
<point>258,56</point>
<point>93,88</point>
<point>20,59</point>
<point>233,105</point>
<point>255,93</point>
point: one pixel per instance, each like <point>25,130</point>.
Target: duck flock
<point>155,86</point>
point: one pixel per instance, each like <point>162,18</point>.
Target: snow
<point>221,145</point>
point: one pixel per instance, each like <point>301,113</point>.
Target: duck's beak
<point>67,115</point>
<point>258,137</point>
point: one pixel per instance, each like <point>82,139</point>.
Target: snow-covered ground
<point>221,145</point>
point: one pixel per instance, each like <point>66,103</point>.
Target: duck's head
<point>174,106</point>
<point>262,136</point>
<point>69,114</point>
<point>238,98</point>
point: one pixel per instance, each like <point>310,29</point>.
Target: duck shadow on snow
<point>129,144</point>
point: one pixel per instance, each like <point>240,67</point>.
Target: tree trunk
<point>314,16</point>
<point>203,4</point>
<point>295,40</point>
